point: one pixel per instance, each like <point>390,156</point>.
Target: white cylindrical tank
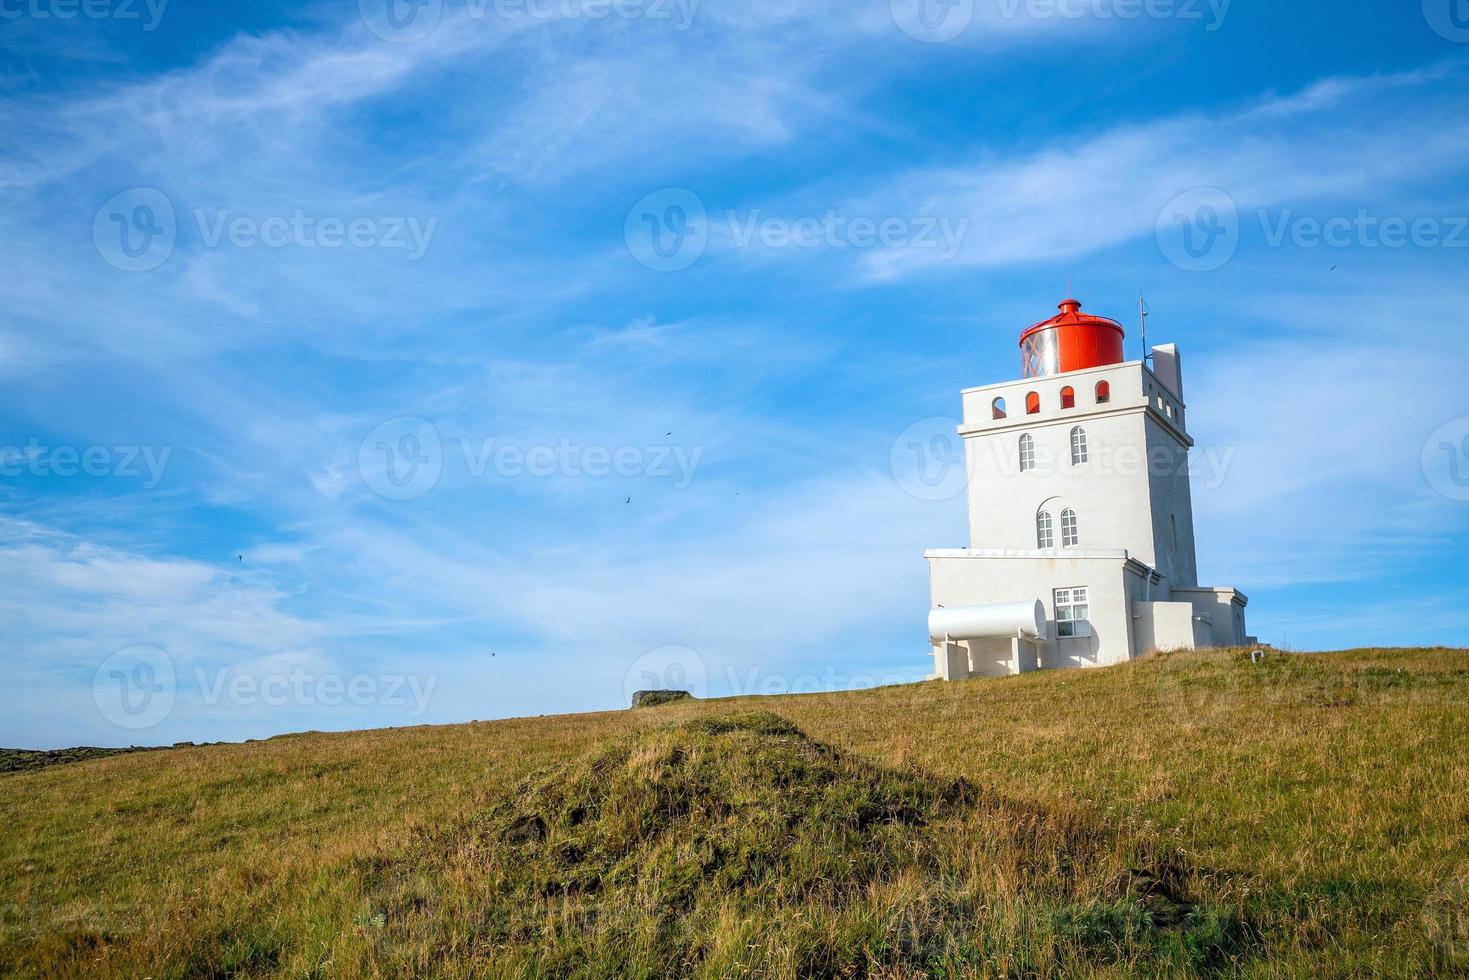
<point>1000,619</point>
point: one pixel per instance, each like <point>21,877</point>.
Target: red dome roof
<point>1070,341</point>
<point>1071,316</point>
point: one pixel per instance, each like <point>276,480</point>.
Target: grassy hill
<point>1181,815</point>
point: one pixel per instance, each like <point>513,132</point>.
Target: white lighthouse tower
<point>1081,525</point>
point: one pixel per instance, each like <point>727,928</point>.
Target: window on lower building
<point>1027,453</point>
<point>1045,535</point>
<point>1070,536</point>
<point>1104,393</point>
<point>1079,453</point>
<point>1072,613</point>
<point>1068,397</point>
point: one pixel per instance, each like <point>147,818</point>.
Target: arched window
<point>998,407</point>
<point>1078,446</point>
<point>1068,397</point>
<point>1045,535</point>
<point>1104,392</point>
<point>1069,535</point>
<point>1032,404</point>
<point>1027,453</point>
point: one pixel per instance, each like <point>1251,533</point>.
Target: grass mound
<point>29,760</point>
<point>736,844</point>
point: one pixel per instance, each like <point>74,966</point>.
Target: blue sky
<point>374,302</point>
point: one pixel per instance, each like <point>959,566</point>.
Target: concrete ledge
<point>1115,554</point>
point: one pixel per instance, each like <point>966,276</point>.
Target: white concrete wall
<point>1171,503</point>
<point>961,578</point>
<point>1164,626</point>
<point>1132,492</point>
<point>1225,611</point>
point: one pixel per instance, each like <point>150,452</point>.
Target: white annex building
<point>1081,525</point>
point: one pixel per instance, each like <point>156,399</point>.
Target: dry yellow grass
<point>1322,801</point>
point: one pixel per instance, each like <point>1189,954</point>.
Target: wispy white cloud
<point>1337,138</point>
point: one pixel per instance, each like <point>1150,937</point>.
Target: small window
<point>1068,397</point>
<point>998,407</point>
<point>1072,613</point>
<point>1104,393</point>
<point>1069,534</point>
<point>1045,534</point>
<point>1032,404</point>
<point>1027,453</point>
<point>1079,453</point>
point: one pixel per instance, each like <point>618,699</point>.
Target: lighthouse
<point>1081,529</point>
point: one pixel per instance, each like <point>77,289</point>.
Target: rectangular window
<point>1072,613</point>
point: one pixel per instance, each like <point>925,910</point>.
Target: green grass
<point>1188,814</point>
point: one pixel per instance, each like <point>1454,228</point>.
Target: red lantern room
<point>1070,341</point>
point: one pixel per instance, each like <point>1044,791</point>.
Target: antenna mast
<point>1142,315</point>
